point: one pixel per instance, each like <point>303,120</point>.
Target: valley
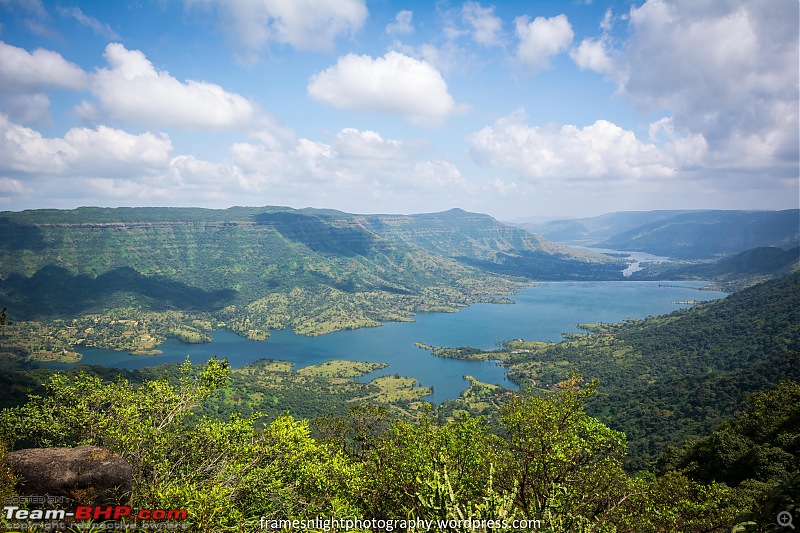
<point>353,332</point>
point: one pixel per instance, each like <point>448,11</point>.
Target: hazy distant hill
<point>742,269</point>
<point>589,231</point>
<point>711,233</point>
<point>62,262</point>
<point>687,234</point>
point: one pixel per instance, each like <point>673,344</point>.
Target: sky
<point>519,109</point>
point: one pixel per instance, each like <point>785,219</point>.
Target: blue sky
<point>516,109</point>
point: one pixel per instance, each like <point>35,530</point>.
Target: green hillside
<point>546,465</point>
<point>255,269</point>
<point>481,241</point>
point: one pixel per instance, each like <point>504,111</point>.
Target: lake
<point>541,312</point>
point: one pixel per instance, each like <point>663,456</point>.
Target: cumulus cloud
<point>485,26</point>
<point>356,144</point>
<point>402,23</point>
<point>395,84</point>
<point>81,152</point>
<point>601,151</point>
<point>354,165</point>
<point>254,25</point>
<point>132,89</point>
<point>353,169</point>
<point>608,20</point>
<point>542,39</point>
<point>21,70</point>
<point>591,54</point>
<point>27,108</point>
<point>725,70</point>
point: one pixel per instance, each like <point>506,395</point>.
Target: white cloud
<point>725,70</point>
<point>453,53</point>
<point>446,57</point>
<point>395,84</point>
<point>81,152</point>
<point>591,54</point>
<point>254,25</point>
<point>485,27</point>
<point>100,28</point>
<point>402,23</point>
<point>599,152</point>
<point>608,21</point>
<point>27,108</point>
<point>355,165</point>
<point>22,71</point>
<point>356,144</point>
<point>105,149</point>
<point>132,89</point>
<point>542,39</point>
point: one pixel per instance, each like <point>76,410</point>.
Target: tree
<point>566,466</point>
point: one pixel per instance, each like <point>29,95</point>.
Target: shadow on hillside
<point>54,291</point>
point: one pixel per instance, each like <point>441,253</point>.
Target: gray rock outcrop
<point>86,475</point>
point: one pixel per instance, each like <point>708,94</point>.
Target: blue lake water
<point>541,312</point>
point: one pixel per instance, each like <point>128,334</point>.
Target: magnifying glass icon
<point>785,519</point>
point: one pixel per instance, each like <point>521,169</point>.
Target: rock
<point>87,475</point>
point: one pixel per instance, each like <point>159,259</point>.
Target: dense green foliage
<point>550,463</point>
<point>761,444</point>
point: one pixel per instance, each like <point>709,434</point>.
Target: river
<point>541,312</point>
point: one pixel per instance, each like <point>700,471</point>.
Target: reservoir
<point>542,312</point>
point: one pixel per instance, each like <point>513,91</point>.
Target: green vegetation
<point>273,388</point>
<point>665,379</point>
<point>256,269</point>
<point>464,352</point>
<point>128,329</point>
<point>693,426</point>
<point>549,462</point>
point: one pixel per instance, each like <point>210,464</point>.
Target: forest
<point>546,463</point>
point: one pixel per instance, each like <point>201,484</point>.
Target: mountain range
<point>61,263</point>
<point>679,234</point>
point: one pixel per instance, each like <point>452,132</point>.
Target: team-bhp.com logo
<point>97,512</point>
